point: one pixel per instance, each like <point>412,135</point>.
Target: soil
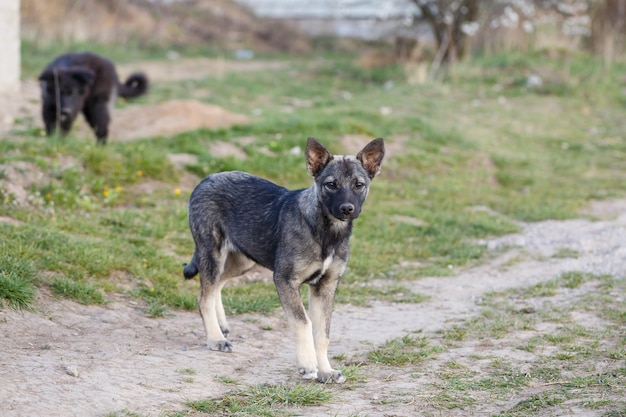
<point>68,359</point>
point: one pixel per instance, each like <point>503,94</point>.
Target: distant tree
<point>608,28</point>
<point>599,24</point>
<point>451,22</point>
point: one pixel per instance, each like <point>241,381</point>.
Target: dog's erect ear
<point>317,157</point>
<point>371,156</point>
<point>83,75</point>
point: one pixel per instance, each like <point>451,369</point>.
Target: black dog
<point>237,220</point>
<point>84,82</point>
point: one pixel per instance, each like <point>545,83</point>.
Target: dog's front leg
<point>97,114</point>
<point>50,119</point>
<point>300,324</point>
<point>321,296</point>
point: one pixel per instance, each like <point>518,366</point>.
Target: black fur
<point>84,82</point>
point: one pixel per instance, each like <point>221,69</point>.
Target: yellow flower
<point>177,191</point>
<point>48,196</point>
<point>118,189</point>
<point>139,173</point>
<point>105,193</point>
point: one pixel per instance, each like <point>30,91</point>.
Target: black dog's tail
<point>191,269</point>
<point>136,85</point>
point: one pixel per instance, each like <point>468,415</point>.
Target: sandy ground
<point>67,359</point>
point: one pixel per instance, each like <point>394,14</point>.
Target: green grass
<point>560,373</point>
<point>83,293</point>
<point>264,400</point>
<point>499,316</point>
<point>469,169</point>
<point>251,297</point>
<point>17,278</point>
<point>407,350</point>
<point>36,55</point>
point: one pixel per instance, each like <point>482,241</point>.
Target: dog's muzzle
<point>65,113</point>
<point>346,211</point>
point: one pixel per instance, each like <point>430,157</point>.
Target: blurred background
<point>383,31</point>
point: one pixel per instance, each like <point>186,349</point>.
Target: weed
<point>17,278</point>
<point>407,350</point>
<point>187,371</point>
<point>226,380</point>
<point>538,402</point>
<point>353,373</point>
<point>566,253</point>
<point>155,309</point>
<point>575,279</point>
<point>251,297</point>
<point>621,412</point>
<point>124,413</point>
<point>264,400</point>
<point>83,293</point>
<point>362,293</point>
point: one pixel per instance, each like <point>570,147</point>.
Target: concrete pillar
<point>10,45</point>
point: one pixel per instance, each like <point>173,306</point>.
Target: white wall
<point>365,19</point>
<point>332,9</point>
<point>9,45</point>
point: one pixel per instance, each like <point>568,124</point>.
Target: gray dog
<point>237,220</point>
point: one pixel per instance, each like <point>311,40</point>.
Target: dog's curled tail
<point>191,269</point>
<point>136,85</point>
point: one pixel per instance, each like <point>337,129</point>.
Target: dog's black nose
<point>347,209</point>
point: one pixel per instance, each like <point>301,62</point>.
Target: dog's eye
<point>358,185</point>
<point>331,185</point>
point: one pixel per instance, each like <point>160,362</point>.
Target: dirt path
<point>68,359</point>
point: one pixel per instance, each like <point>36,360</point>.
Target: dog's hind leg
<point>236,264</point>
<point>219,310</point>
<point>211,266</point>
<point>207,303</point>
<point>321,297</point>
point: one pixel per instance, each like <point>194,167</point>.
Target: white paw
<point>307,373</point>
<point>221,345</point>
<point>331,377</point>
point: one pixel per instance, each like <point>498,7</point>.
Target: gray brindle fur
<point>237,220</point>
